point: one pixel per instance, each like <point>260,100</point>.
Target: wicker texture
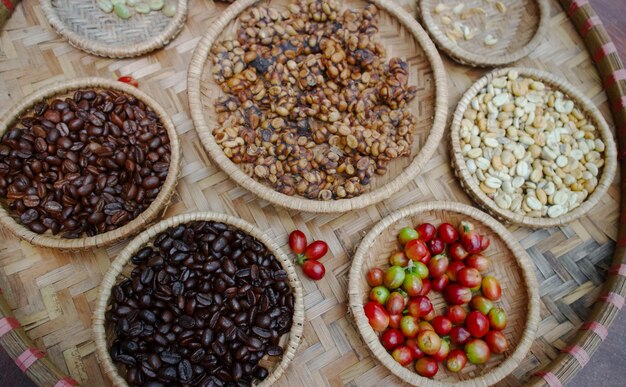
<point>470,183</point>
<point>117,273</point>
<point>90,29</point>
<point>53,294</point>
<point>159,204</point>
<point>519,30</point>
<point>509,263</point>
<point>403,37</point>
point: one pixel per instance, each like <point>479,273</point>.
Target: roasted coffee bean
<point>170,357</point>
<point>262,373</point>
<point>185,372</point>
<point>65,163</point>
<point>204,299</point>
<point>274,350</point>
<point>183,316</point>
<point>167,373</point>
<point>262,332</point>
<point>148,316</point>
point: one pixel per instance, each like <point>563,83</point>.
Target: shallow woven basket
<point>88,28</point>
<point>509,263</point>
<point>469,183</point>
<point>62,89</point>
<point>122,266</point>
<point>519,30</point>
<point>403,37</point>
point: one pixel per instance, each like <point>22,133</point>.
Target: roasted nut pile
<point>311,106</point>
<point>203,305</point>
<point>83,165</point>
<point>530,148</point>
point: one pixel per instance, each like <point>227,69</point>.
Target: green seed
<point>105,6</point>
<point>122,11</point>
<point>156,5</point>
<point>132,3</point>
<point>118,2</point>
<point>169,9</point>
<point>142,8</point>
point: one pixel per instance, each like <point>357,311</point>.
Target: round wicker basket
<point>518,26</point>
<point>402,37</point>
<point>115,275</point>
<point>509,263</point>
<point>88,28</point>
<point>132,227</point>
<point>469,183</point>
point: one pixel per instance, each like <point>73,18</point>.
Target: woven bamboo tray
<point>578,266</point>
<point>121,267</point>
<point>509,263</point>
<point>470,184</point>
<point>66,89</point>
<point>403,37</point>
<point>88,28</point>
<point>518,27</point>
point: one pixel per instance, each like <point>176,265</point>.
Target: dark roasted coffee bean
<point>262,373</point>
<point>204,299</point>
<point>254,343</point>
<point>274,350</point>
<point>167,373</point>
<point>130,347</point>
<point>263,320</point>
<point>148,316</point>
<point>187,322</point>
<point>219,244</point>
<point>170,357</point>
<point>262,332</point>
<point>185,372</point>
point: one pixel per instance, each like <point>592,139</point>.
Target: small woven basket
<point>88,28</point>
<point>509,263</point>
<point>519,30</point>
<point>10,117</point>
<point>402,36</point>
<point>469,183</point>
<point>122,265</point>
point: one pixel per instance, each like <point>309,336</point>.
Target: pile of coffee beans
<point>83,165</point>
<point>204,303</point>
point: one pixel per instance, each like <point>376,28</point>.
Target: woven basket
<point>403,37</point>
<point>469,183</point>
<point>509,263</point>
<point>156,207</point>
<point>122,265</point>
<point>88,28</point>
<point>519,30</point>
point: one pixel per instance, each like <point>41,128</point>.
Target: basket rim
<point>104,293</point>
<point>134,226</point>
<point>194,80</point>
<point>589,109</point>
<point>94,47</point>
<point>521,257</point>
<point>466,57</point>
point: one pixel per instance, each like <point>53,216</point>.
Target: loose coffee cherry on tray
<point>307,255</point>
<point>204,304</point>
<point>84,165</point>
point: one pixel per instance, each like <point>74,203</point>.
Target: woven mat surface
<point>53,293</point>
